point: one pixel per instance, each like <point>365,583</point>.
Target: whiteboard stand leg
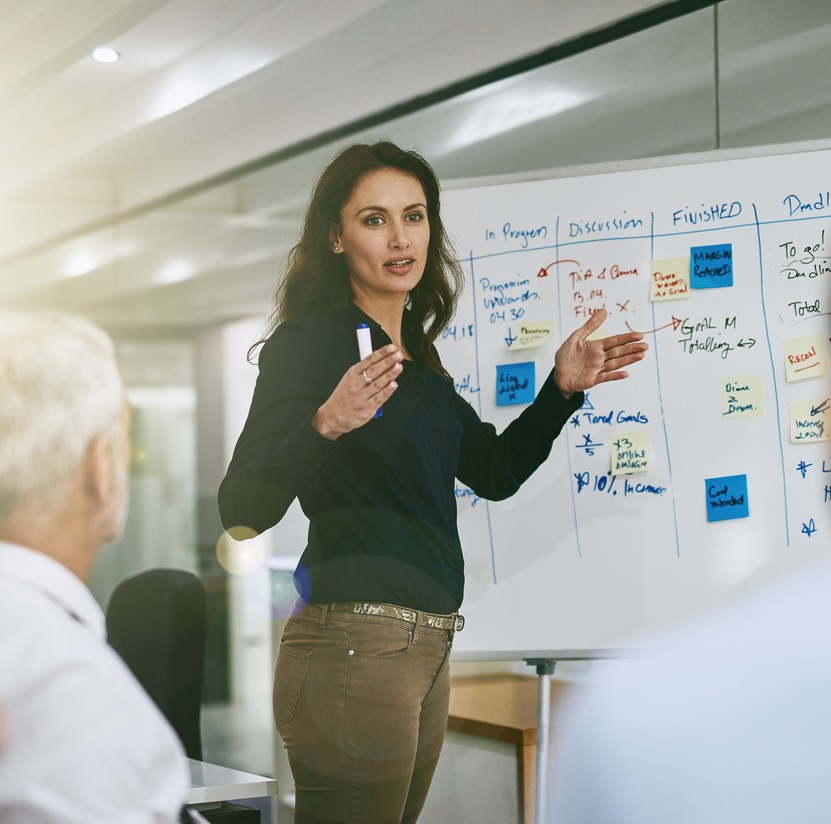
<point>545,669</point>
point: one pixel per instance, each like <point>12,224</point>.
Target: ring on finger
<point>367,378</point>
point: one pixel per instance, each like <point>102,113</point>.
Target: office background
<point>158,195</point>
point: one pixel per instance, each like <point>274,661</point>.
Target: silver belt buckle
<point>460,623</point>
<point>408,615</point>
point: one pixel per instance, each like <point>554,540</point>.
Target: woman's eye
<point>415,217</point>
<point>373,221</point>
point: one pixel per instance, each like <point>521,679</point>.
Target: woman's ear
<point>334,239</point>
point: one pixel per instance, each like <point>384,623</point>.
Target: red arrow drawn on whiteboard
<point>543,273</point>
<point>675,323</point>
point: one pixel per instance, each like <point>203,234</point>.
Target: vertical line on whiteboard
<point>716,81</point>
<point>773,374</point>
<point>568,444</point>
<point>661,396</point>
<point>479,402</point>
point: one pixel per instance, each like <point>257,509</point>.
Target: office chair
<point>156,621</point>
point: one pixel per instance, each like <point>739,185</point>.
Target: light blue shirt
<point>731,723</point>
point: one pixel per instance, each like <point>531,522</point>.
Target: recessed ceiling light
<point>104,54</point>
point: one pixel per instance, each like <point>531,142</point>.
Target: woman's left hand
<point>581,363</point>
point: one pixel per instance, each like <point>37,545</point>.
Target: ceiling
<point>141,192</point>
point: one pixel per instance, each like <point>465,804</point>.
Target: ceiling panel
<point>206,86</point>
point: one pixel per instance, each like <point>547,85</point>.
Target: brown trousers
<point>361,704</point>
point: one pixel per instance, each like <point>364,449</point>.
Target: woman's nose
<point>399,238</point>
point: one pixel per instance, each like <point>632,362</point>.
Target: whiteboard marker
<point>365,348</point>
<point>364,340</point>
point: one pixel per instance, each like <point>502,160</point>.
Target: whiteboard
<point>580,560</point>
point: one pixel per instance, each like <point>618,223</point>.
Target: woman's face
<point>384,234</point>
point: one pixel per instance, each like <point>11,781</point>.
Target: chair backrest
<point>156,621</point>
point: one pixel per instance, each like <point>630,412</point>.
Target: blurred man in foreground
<point>83,741</point>
<point>730,723</point>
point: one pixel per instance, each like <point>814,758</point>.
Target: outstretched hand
<point>581,364</point>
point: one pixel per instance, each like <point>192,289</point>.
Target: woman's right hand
<point>363,389</point>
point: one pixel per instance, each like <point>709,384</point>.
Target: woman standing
<point>362,680</point>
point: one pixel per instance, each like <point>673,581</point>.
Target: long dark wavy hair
<point>316,279</point>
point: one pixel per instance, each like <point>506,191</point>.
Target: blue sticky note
<point>514,383</point>
<point>727,498</point>
<point>711,266</point>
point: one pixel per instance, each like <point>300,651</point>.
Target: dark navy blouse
<point>380,499</point>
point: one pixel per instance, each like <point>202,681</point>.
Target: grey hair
<point>60,387</point>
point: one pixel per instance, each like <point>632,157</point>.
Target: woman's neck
<point>388,314</point>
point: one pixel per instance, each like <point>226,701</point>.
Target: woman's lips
<point>401,266</point>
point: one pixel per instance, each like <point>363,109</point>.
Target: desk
<point>211,784</point>
<point>504,708</point>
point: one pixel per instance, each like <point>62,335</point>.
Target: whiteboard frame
<point>638,164</point>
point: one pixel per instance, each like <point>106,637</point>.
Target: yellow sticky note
<point>669,279</point>
<point>631,452</point>
<point>742,397</point>
<point>804,357</point>
<point>810,420</point>
<point>532,334</point>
